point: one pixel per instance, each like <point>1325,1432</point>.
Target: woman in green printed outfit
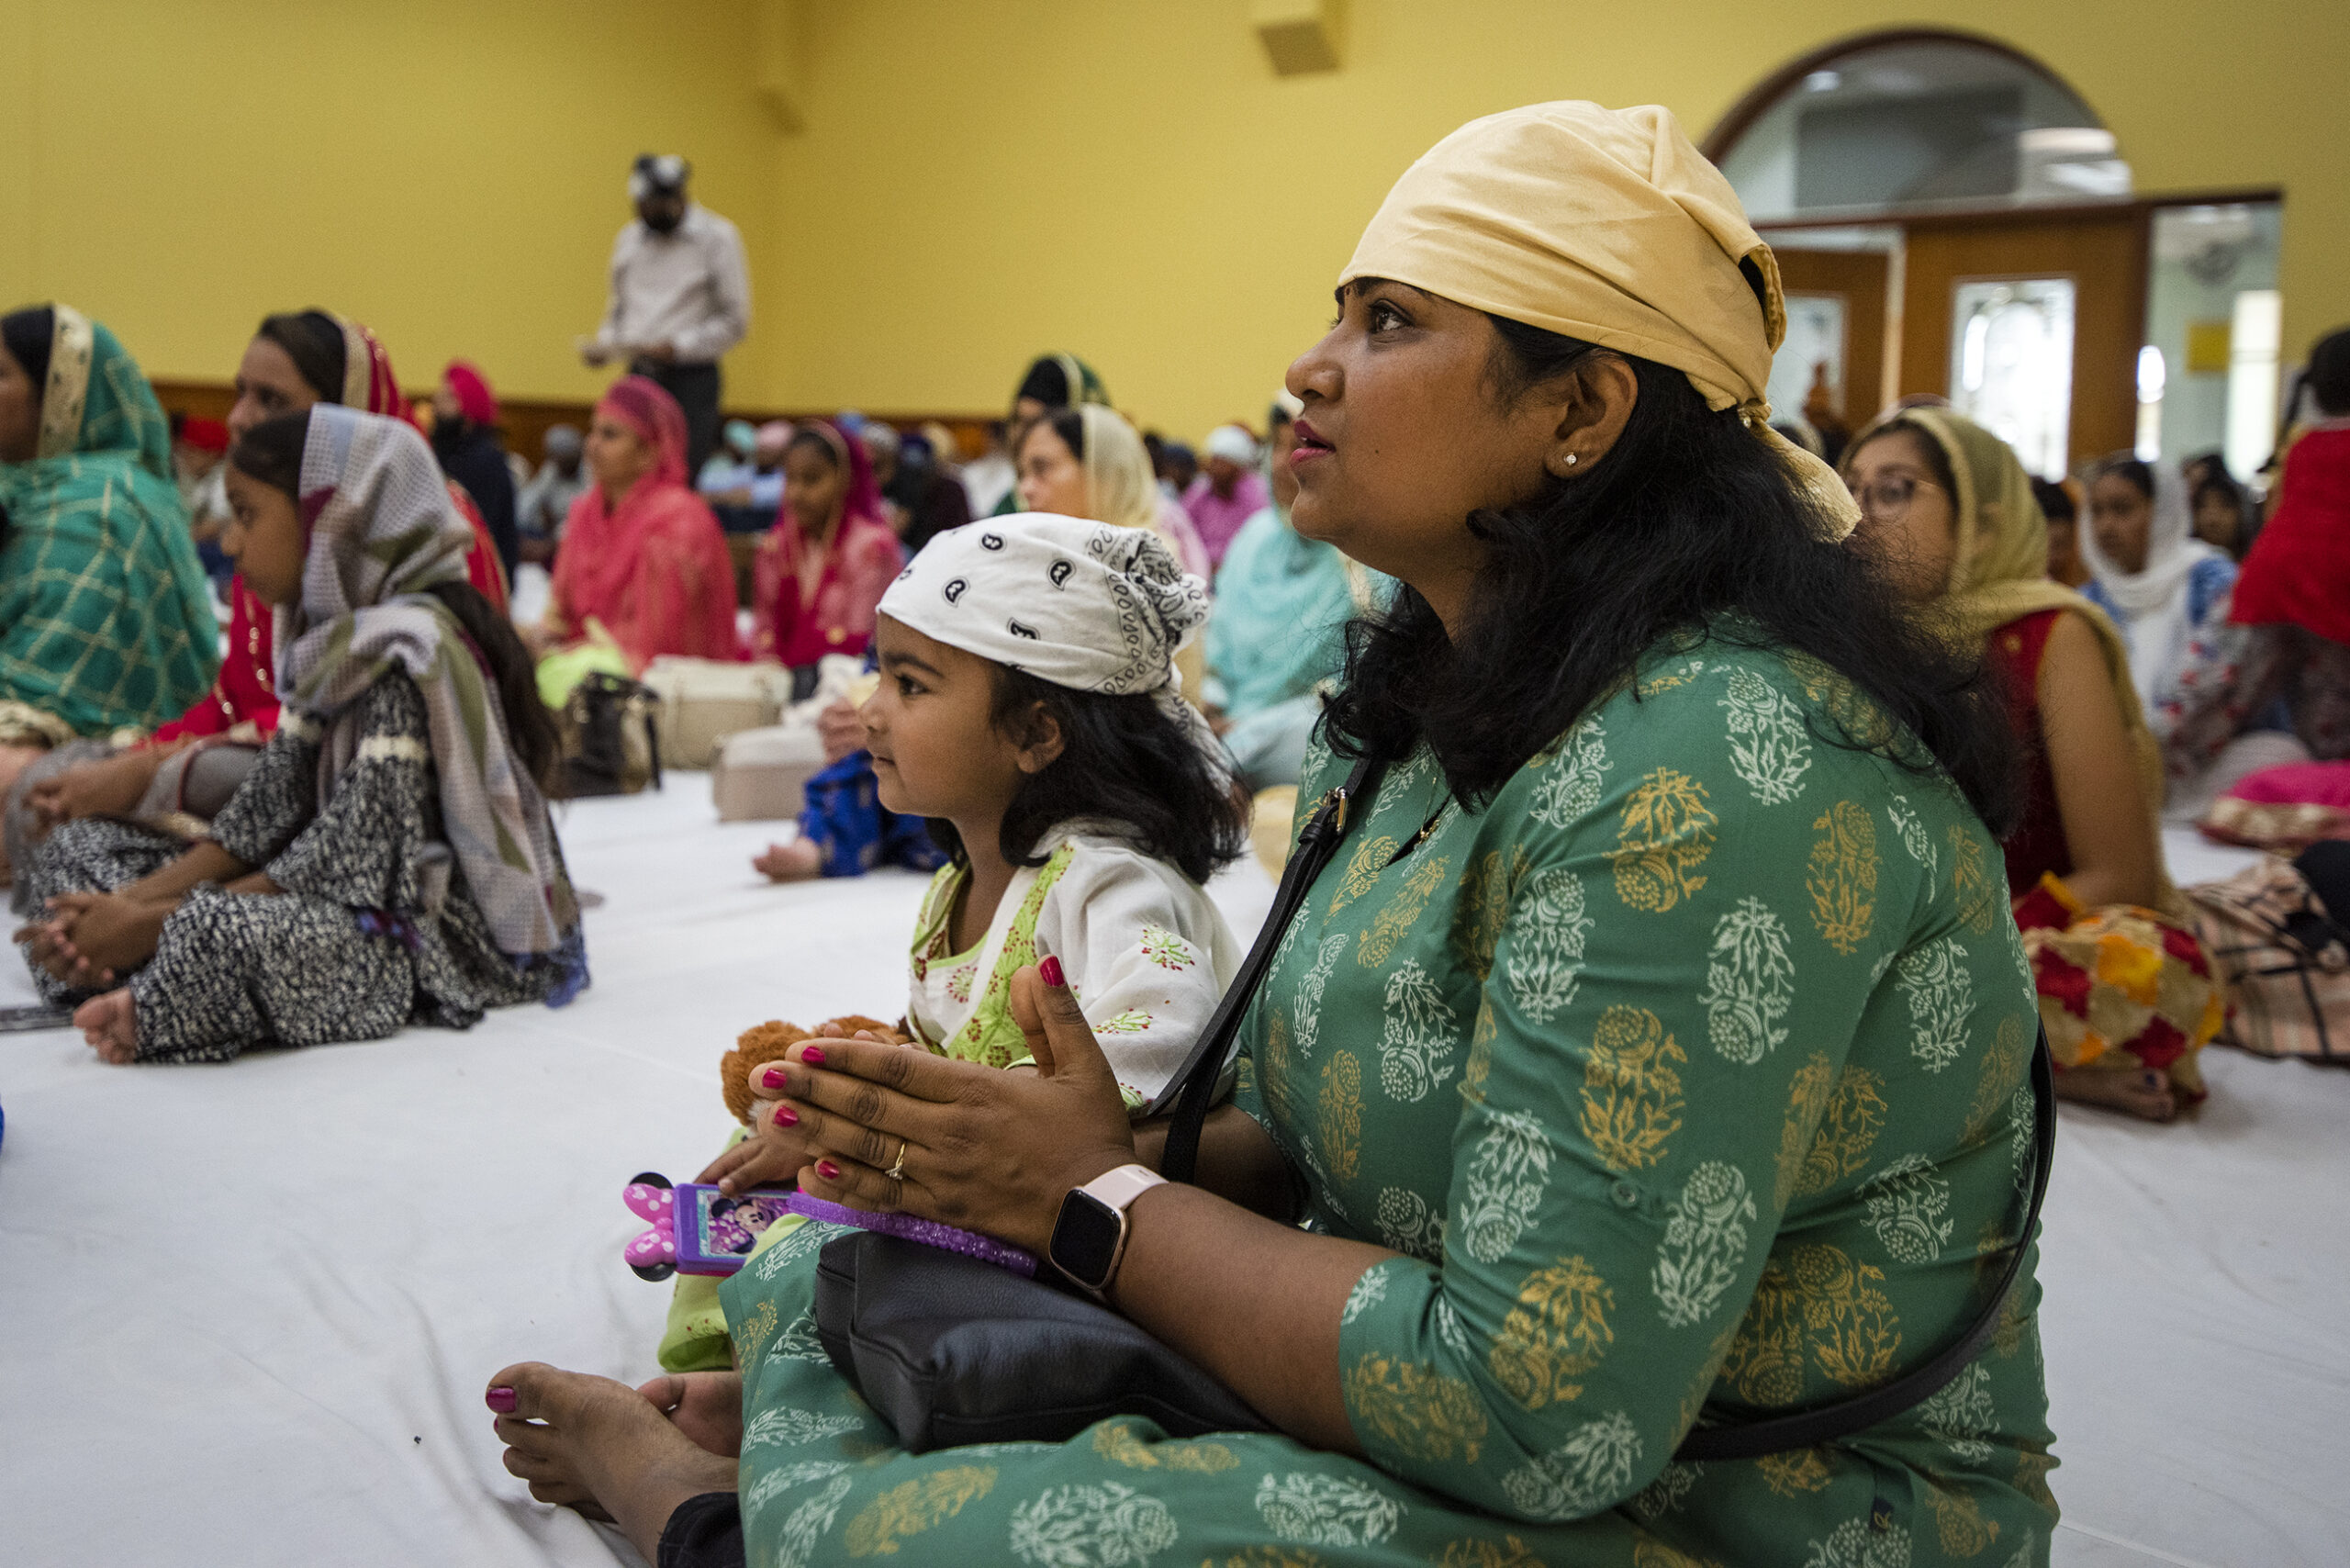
<point>1654,1054</point>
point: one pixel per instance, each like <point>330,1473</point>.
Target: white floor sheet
<point>249,1309</point>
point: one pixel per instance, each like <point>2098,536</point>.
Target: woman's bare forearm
<point>1251,1300</point>
<point>202,862</point>
<point>1237,1161</point>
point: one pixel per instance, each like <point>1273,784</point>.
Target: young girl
<point>822,568</point>
<point>1028,707</point>
<point>2126,991</point>
<point>389,859</point>
<point>2158,582</point>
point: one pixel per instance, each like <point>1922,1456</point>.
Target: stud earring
<point>1573,459</point>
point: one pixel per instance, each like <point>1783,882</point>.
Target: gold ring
<point>897,1172</point>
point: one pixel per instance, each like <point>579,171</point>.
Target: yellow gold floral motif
<point>1854,1333</point>
<point>1557,1332</point>
<point>1664,833</point>
<point>1341,1118</point>
<point>1842,876</point>
<point>1631,1095</point>
<point>1959,1521</point>
<point>1401,914</point>
<point>1979,904</point>
<point>914,1506</point>
<point>1270,1556</point>
<point>1485,892</point>
<point>1995,1086</point>
<point>1656,1554</point>
<point>2031,1476</point>
<point>756,1333</point>
<point>1415,1410</point>
<point>1860,719</point>
<point>1119,1443</point>
<point>1814,1081</point>
<point>1479,1065</point>
<point>1795,1473</point>
<point>1278,1096</point>
<point>1766,1361</point>
<point>1848,1129</point>
<point>1476,1552</point>
<point>1362,870</point>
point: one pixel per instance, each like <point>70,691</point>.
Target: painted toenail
<point>501,1400</point>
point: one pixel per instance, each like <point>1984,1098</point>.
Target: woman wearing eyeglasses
<point>2124,990</point>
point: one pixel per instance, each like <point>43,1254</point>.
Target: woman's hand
<point>988,1151</point>
<point>113,784</point>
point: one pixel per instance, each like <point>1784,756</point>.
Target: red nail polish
<point>813,1054</point>
<point>785,1117</point>
<point>828,1170</point>
<point>501,1400</point>
<point>771,1078</point>
<point>1050,970</point>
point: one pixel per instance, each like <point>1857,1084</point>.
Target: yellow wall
<point>449,172</point>
<point>1132,182</point>
<point>1124,179</point>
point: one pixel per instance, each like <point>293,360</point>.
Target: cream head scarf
<point>2153,599</point>
<point>1606,226</point>
<point>1088,605</point>
<point>2000,566</point>
<point>1119,489</point>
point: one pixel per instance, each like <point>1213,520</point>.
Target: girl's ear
<point>1045,741</point>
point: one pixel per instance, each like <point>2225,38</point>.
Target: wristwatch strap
<point>1116,1189</point>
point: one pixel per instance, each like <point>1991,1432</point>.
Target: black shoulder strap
<point>1192,1090</point>
<point>1809,1428</point>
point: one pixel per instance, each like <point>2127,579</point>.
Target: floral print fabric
<point>1687,1077</point>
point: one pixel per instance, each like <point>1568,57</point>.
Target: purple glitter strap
<point>929,1232</point>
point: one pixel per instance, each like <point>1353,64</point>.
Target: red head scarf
<point>475,401</point>
<point>804,607</point>
<point>655,568</point>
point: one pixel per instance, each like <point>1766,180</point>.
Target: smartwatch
<point>1090,1236</point>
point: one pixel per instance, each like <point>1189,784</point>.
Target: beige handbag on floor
<point>704,700</point>
<point>762,774</point>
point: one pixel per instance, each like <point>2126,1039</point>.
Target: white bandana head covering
<point>1091,606</point>
<point>382,530</point>
<point>1234,444</point>
<point>1606,225</point>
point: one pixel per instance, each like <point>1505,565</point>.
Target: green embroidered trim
<point>991,1036</point>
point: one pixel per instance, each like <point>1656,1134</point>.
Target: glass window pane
<point>2011,365</point>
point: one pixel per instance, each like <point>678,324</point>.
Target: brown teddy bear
<point>767,1042</point>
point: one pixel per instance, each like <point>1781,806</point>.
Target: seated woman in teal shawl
<point>1278,637</point>
<point>104,621</point>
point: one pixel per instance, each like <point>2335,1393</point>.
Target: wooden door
<point>2103,251</point>
<point>1860,279</point>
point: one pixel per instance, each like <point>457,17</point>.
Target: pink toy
<point>717,1233</point>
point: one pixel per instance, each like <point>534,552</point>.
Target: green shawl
<point>104,618</point>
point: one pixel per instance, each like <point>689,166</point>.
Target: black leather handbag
<point>950,1350</point>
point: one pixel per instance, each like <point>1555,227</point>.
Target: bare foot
<point>109,1022</point>
<point>590,1443</point>
<point>798,861</point>
<point>706,1407</point>
<point>2136,1091</point>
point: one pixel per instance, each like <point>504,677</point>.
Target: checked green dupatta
<point>105,620</point>
<point>381,530</point>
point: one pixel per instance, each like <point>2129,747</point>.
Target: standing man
<point>680,297</point>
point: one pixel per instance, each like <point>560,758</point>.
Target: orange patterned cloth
<point>2120,978</point>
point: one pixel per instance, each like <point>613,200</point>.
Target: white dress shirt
<point>689,288</point>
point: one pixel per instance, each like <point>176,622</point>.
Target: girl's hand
<point>988,1151</point>
<point>771,1156</point>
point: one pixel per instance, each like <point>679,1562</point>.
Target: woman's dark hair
<point>1689,524</point>
<point>1070,425</point>
<point>271,453</point>
<point>2055,501</point>
<point>2218,481</point>
<point>812,442</point>
<point>2328,376</point>
<point>1124,760</point>
<point>1938,467</point>
<point>28,334</point>
<point>2135,472</point>
<point>313,341</point>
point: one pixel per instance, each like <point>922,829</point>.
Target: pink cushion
<point>2296,783</point>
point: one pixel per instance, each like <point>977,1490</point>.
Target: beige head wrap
<point>1999,567</point>
<point>1608,226</point>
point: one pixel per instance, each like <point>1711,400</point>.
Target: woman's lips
<point>1310,445</point>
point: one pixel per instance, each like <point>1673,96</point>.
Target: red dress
<point>2038,842</point>
<point>797,627</point>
